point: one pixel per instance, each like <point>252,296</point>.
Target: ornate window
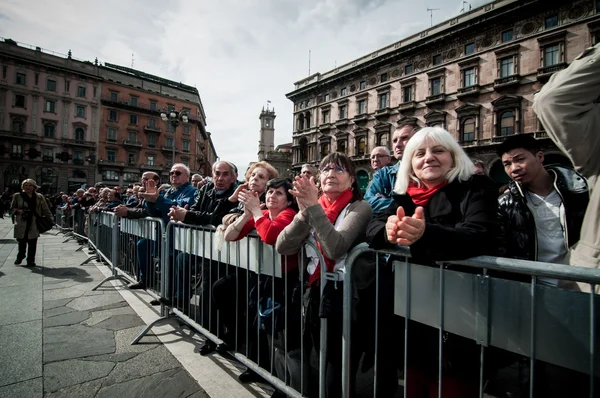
<point>18,126</point>
<point>303,153</point>
<point>507,124</point>
<point>552,54</point>
<point>436,119</point>
<point>300,122</point>
<point>79,134</point>
<point>361,146</point>
<point>110,175</point>
<point>468,130</point>
<point>49,130</point>
<point>324,149</point>
<point>342,146</point>
<point>468,122</point>
<point>507,109</point>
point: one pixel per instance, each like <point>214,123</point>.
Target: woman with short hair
<point>337,219</point>
<point>441,211</point>
<point>27,206</point>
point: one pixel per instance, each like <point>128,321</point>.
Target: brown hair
<point>273,173</point>
<point>340,159</point>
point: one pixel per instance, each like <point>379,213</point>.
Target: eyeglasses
<point>336,168</point>
<point>176,172</point>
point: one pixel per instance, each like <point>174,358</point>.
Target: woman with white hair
<point>441,211</point>
<point>28,206</point>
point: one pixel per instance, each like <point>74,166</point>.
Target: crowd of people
<point>427,195</point>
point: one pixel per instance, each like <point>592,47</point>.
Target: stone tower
<point>266,142</point>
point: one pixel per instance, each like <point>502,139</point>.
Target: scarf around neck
<point>332,211</point>
<point>421,195</point>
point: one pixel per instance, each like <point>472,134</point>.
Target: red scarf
<point>421,195</point>
<point>332,211</point>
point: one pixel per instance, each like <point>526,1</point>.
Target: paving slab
<point>70,318</point>
<point>20,303</point>
<point>20,352</point>
<point>172,383</point>
<point>159,359</point>
<point>49,304</point>
<point>84,390</point>
<point>58,375</point>
<point>57,311</point>
<point>124,338</point>
<point>99,316</point>
<point>32,388</point>
<point>70,342</point>
<point>122,357</point>
<point>120,322</point>
<point>93,302</point>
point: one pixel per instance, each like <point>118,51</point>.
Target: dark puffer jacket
<point>210,206</point>
<point>517,234</point>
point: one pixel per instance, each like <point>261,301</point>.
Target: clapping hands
<point>305,191</point>
<point>403,230</point>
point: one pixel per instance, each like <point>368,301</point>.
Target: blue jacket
<point>184,195</point>
<point>382,183</point>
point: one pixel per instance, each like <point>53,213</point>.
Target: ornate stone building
<point>474,75</point>
<point>66,122</point>
<point>279,157</point>
<point>49,117</point>
<point>133,138</point>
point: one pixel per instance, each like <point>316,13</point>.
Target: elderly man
<point>197,181</point>
<point>308,171</point>
<point>380,157</point>
<point>211,205</point>
<point>158,204</point>
<point>379,192</point>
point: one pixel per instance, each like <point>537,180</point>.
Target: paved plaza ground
<point>58,338</point>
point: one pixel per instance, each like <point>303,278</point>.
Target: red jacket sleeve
<point>268,229</point>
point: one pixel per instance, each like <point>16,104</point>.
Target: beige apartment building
<point>474,74</point>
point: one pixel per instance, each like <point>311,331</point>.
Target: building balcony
<point>466,144</point>
<point>325,126</point>
<point>471,91</point>
<point>168,149</point>
<point>342,122</point>
<point>152,129</point>
<point>47,158</point>
<point>78,162</point>
<point>133,144</point>
<point>110,163</point>
<point>151,167</point>
<point>18,156</point>
<point>22,136</point>
<point>360,157</point>
<point>508,81</point>
<point>67,142</point>
<point>363,117</point>
<point>544,73</point>
<point>435,99</point>
<point>381,112</point>
<point>407,106</point>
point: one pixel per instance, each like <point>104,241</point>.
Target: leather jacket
<point>517,229</point>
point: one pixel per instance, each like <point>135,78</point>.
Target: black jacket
<point>460,222</point>
<point>210,207</point>
<point>517,235</point>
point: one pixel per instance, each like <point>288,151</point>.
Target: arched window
<point>507,124</point>
<point>324,149</point>
<point>303,150</point>
<point>79,134</point>
<point>307,118</point>
<point>79,174</point>
<point>468,130</point>
<point>361,146</point>
<point>341,146</point>
<point>300,123</point>
<point>18,126</point>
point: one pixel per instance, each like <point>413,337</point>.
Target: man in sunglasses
<point>138,211</point>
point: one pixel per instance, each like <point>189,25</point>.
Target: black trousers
<point>29,246</point>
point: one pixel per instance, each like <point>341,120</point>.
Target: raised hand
<point>305,191</point>
<point>151,194</point>
<point>251,202</point>
<point>404,230</point>
<point>235,196</point>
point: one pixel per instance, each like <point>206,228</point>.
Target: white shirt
<point>551,246</point>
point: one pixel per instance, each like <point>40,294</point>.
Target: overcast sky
<point>238,53</point>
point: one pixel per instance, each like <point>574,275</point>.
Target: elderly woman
<point>27,206</point>
<point>256,181</point>
<point>441,211</point>
<point>268,223</point>
<point>337,219</point>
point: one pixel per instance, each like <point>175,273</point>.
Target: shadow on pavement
<point>71,273</point>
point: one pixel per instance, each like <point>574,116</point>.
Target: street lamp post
<point>174,117</point>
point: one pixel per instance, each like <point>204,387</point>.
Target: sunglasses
<point>176,172</point>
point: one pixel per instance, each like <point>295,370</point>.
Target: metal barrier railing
<point>221,294</point>
<point>62,220</point>
<point>469,300</point>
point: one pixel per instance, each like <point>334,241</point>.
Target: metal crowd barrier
<point>225,296</point>
<point>527,319</point>
<point>62,220</point>
<point>79,219</point>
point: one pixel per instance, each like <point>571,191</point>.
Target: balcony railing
<point>407,106</point>
<point>152,129</point>
<point>16,134</point>
<point>47,158</point>
<point>468,91</point>
<point>15,155</point>
<point>132,143</point>
<point>165,148</point>
<point>152,167</point>
<point>435,99</point>
<point>545,72</point>
<point>79,143</point>
<point>507,81</point>
<point>382,112</point>
<point>104,162</point>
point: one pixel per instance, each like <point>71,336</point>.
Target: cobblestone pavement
<point>58,338</point>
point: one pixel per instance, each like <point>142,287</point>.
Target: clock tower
<point>266,142</point>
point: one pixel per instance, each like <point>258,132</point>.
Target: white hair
<point>463,167</point>
<point>385,149</point>
<point>183,166</point>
